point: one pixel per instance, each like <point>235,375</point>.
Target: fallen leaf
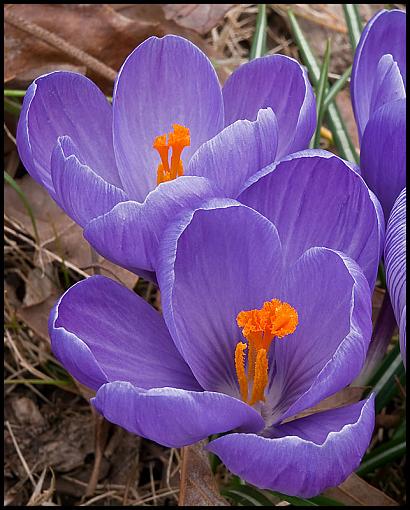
<point>198,486</point>
<point>355,491</point>
<point>199,17</point>
<point>40,285</point>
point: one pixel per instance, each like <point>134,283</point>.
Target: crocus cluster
<point>265,253</point>
<point>379,103</point>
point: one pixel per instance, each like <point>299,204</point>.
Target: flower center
<point>178,139</point>
<point>260,327</point>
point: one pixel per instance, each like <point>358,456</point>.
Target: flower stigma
<point>178,139</point>
<point>259,327</point>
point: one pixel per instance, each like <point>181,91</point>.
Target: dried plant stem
<point>59,43</point>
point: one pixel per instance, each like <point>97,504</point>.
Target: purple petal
<point>276,82</point>
<point>395,262</point>
<point>388,84</point>
<point>385,34</point>
<point>63,103</point>
<point>129,234</point>
<point>163,82</point>
<point>78,190</point>
<point>329,346</point>
<point>215,262</point>
<point>102,332</point>
<point>314,198</point>
<point>383,153</point>
<point>237,152</point>
<point>315,453</point>
<point>173,417</point>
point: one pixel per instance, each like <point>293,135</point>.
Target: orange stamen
<point>178,139</point>
<point>260,327</point>
<point>240,370</point>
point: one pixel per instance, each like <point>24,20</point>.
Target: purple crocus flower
<point>91,156</point>
<point>395,261</point>
<point>246,343</point>
<point>379,103</point>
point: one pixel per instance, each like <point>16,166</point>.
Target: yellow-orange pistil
<point>178,139</point>
<point>260,327</point>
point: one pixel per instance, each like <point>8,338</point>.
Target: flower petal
<point>64,103</point>
<point>315,453</point>
<point>314,198</point>
<point>395,263</point>
<point>383,35</point>
<point>383,153</point>
<point>173,417</point>
<point>78,190</point>
<point>237,152</point>
<point>215,262</point>
<point>388,84</point>
<point>163,82</point>
<point>101,332</point>
<point>129,234</point>
<point>278,82</point>
<point>329,346</point>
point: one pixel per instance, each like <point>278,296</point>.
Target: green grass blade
<point>246,495</point>
<point>386,387</point>
<point>382,456</point>
<point>336,88</point>
<point>320,95</point>
<point>341,137</point>
<point>258,48</point>
<point>14,93</point>
<point>9,179</point>
<point>354,24</point>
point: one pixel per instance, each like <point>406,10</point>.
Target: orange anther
<point>240,370</point>
<point>178,139</point>
<point>260,327</point>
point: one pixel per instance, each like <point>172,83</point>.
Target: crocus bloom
<point>246,353</point>
<point>379,103</point>
<point>167,102</point>
<point>395,261</point>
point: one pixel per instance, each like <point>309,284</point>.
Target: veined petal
<point>237,152</point>
<point>385,34</point>
<point>78,190</point>
<point>315,453</point>
<point>276,82</point>
<point>64,103</point>
<point>102,332</point>
<point>163,82</point>
<point>329,346</point>
<point>383,153</point>
<point>314,198</point>
<point>388,84</point>
<point>215,262</point>
<point>395,262</point>
<point>130,233</point>
<point>173,417</point>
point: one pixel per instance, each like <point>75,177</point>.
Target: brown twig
<point>57,42</point>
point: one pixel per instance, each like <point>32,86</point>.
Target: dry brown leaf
<point>94,28</point>
<point>357,492</point>
<point>198,486</point>
<point>36,317</point>
<point>199,17</point>
<point>40,285</point>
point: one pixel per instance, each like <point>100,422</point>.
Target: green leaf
<point>354,24</point>
<point>320,95</point>
<point>336,88</point>
<point>382,455</point>
<point>258,48</point>
<point>341,137</point>
<point>14,93</point>
<point>9,179</point>
<point>245,495</point>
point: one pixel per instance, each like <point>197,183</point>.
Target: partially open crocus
<point>379,102</point>
<point>245,345</point>
<point>167,102</point>
<point>395,262</point>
